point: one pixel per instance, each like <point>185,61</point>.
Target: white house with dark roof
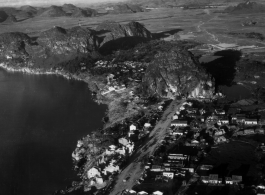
<point>179,123</point>
<point>251,122</point>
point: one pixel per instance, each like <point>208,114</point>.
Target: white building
<point>157,193</point>
<point>179,123</point>
<point>251,122</point>
<point>93,172</point>
<point>132,127</point>
<point>170,175</point>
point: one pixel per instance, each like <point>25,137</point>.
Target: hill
<point>53,11</point>
<point>246,7</point>
<point>10,19</point>
<point>124,8</point>
<point>117,36</point>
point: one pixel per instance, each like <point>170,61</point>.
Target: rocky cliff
<point>175,72</point>
<point>54,46</point>
<point>116,34</point>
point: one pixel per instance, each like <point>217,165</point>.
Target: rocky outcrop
<point>176,72</point>
<point>51,48</point>
<point>115,34</point>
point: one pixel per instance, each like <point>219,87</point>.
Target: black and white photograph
<point>132,97</point>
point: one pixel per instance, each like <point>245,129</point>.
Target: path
<point>135,169</point>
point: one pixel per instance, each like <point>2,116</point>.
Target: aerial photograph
<point>132,97</point>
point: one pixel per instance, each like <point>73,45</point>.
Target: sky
<point>49,2</point>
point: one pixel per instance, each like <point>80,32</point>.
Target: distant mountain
<point>124,8</point>
<point>53,11</point>
<point>172,3</point>
<point>247,7</point>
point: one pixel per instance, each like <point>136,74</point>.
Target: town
<point>183,161</point>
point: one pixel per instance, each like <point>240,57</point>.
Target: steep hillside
<point>115,35</point>
<point>246,7</point>
<point>174,71</point>
<point>53,49</point>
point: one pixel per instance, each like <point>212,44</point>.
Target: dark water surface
<point>235,92</point>
<point>41,119</point>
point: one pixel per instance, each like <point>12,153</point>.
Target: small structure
<point>251,122</point>
<point>179,123</point>
<point>156,168</point>
<point>213,178</point>
<point>142,193</point>
<point>93,172</point>
<point>228,180</point>
<point>236,179</point>
<point>206,167</point>
<point>223,121</point>
<point>205,179</point>
<point>259,131</point>
<point>169,175</point>
<point>240,118</point>
<point>219,112</point>
<point>132,192</point>
<point>157,193</point>
<point>249,131</point>
<point>132,127</point>
<point>147,125</point>
<point>221,139</point>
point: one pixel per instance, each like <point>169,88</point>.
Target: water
<point>41,119</point>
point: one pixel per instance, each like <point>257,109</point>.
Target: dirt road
<point>134,170</point>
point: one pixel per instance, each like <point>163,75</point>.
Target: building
<point>169,175</point>
<point>259,131</point>
<point>228,180</point>
<point>236,179</point>
<point>157,168</point>
<point>251,122</point>
<point>223,122</point>
<point>147,125</point>
<point>132,127</point>
<point>249,131</point>
<point>205,179</point>
<point>179,123</point>
<point>219,112</point>
<point>220,139</point>
<point>213,178</point>
<point>142,193</point>
<point>206,167</point>
<point>240,118</point>
<point>157,193</point>
<point>93,172</point>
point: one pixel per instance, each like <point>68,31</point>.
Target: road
<point>134,170</point>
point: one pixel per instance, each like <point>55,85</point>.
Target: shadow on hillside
<point>223,69</point>
<point>3,16</point>
<point>165,34</point>
<point>121,44</point>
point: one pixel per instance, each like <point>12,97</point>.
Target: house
<point>249,131</point>
<point>205,179</point>
<point>142,193</point>
<point>213,178</point>
<point>147,125</point>
<point>93,172</point>
<point>223,122</point>
<point>111,168</point>
<point>175,116</point>
<point>206,167</point>
<point>132,192</point>
<point>156,168</point>
<point>221,139</point>
<point>178,132</point>
<point>157,193</point>
<point>132,127</point>
<point>259,131</point>
<point>123,141</point>
<point>112,147</point>
<point>236,179</point>
<point>261,185</point>
<point>99,180</point>
<point>219,112</point>
<point>179,123</point>
<point>251,122</point>
<point>178,156</point>
<point>240,118</point>
<point>233,119</point>
<point>191,170</point>
<point>170,175</point>
<point>228,180</point>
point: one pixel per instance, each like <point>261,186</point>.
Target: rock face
<point>176,72</point>
<point>111,31</point>
<point>52,47</point>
